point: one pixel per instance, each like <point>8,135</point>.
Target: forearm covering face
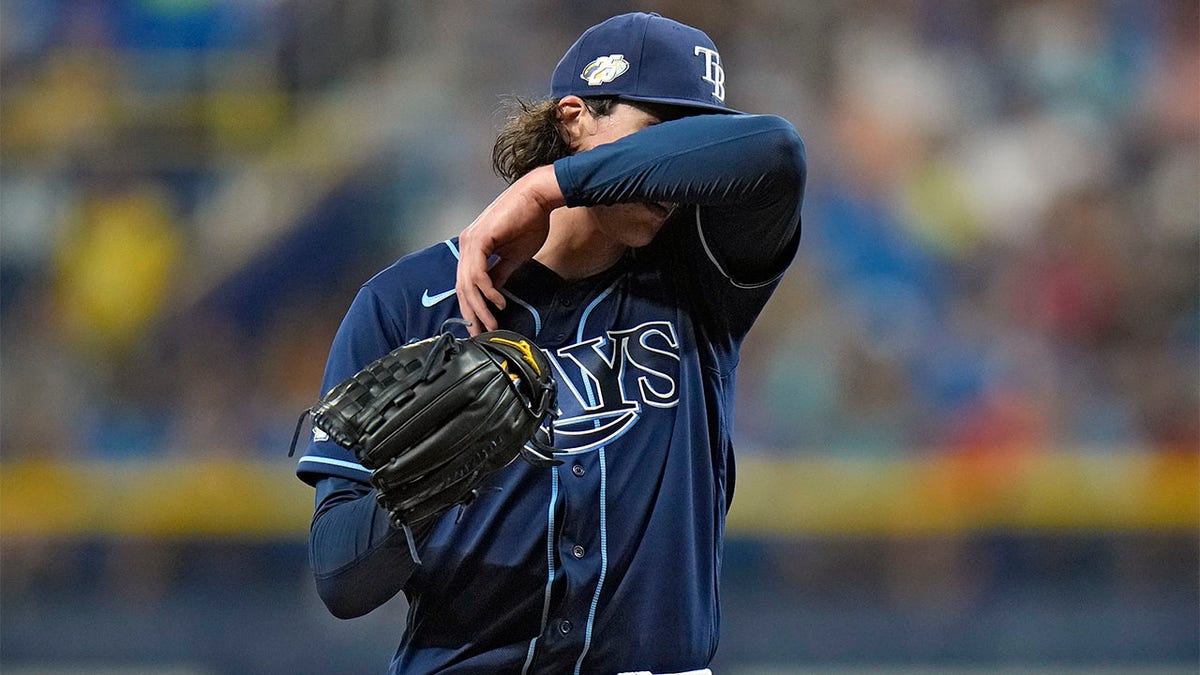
<point>746,172</point>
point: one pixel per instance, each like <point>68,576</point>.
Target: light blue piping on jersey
<point>537,328</point>
<point>537,318</point>
<point>587,639</point>
<point>554,499</point>
<point>713,259</point>
<point>453,249</point>
<point>549,565</point>
<point>335,462</point>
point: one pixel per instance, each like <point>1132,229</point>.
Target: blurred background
<point>968,427</point>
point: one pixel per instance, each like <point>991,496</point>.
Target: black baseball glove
<point>432,420</point>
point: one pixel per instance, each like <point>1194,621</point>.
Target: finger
<point>476,310</point>
<point>465,289</point>
<point>491,290</point>
<point>464,308</point>
<point>483,317</point>
<point>480,292</point>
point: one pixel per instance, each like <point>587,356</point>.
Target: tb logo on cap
<point>604,69</point>
<point>714,74</point>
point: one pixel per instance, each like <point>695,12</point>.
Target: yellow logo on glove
<point>525,348</point>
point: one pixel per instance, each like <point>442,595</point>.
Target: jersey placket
<point>578,539</point>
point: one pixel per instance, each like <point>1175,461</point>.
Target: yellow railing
<point>824,495</point>
<point>940,494</point>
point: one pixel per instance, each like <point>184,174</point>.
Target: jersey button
<point>578,470</point>
<point>565,627</point>
<point>577,551</point>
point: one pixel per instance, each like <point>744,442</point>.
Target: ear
<point>575,120</point>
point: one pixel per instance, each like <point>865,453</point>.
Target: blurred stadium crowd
<point>1000,233</point>
<point>1001,245</point>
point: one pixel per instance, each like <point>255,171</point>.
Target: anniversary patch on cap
<point>605,69</point>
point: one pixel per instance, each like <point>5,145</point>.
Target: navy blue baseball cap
<point>644,57</point>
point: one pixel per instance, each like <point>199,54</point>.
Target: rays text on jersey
<point>607,383</point>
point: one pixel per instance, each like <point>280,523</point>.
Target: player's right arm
<point>359,561</point>
<point>746,174</point>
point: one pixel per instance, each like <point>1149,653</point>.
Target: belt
<point>701,671</point>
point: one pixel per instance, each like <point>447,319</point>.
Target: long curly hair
<point>532,135</point>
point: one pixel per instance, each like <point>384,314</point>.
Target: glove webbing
<point>373,388</point>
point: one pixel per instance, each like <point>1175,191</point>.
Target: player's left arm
<point>359,561</point>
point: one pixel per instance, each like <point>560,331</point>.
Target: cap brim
<point>682,103</point>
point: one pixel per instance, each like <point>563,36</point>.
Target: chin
<point>642,236</point>
<point>636,225</point>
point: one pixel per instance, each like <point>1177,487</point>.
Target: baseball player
<point>645,227</point>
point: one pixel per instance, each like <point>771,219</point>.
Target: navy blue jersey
<point>611,561</point>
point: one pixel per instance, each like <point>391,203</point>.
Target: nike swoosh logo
<point>431,300</point>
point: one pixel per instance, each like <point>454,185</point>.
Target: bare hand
<point>512,228</point>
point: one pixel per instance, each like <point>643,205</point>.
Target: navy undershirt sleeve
<point>359,560</point>
<point>745,172</point>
